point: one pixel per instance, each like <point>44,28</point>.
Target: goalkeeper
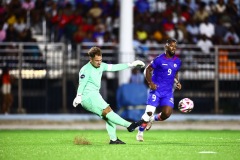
<point>89,97</point>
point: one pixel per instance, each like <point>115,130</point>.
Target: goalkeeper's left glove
<point>137,63</point>
<point>77,100</point>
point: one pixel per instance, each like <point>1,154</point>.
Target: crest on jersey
<point>82,76</point>
<point>175,65</point>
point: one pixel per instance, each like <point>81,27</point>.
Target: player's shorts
<point>157,101</point>
<point>94,103</point>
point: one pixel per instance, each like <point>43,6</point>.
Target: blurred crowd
<point>189,21</point>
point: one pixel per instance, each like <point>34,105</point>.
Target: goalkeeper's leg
<point>98,106</point>
<point>111,129</point>
<point>115,118</point>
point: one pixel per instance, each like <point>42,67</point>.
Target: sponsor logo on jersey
<point>175,65</point>
<point>164,64</point>
<point>82,76</point>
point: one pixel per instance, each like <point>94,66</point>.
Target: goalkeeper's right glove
<point>77,100</point>
<point>137,63</point>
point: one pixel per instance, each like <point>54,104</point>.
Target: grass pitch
<point>93,145</point>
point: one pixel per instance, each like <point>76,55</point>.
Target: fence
<point>47,75</point>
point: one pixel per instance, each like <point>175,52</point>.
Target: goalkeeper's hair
<point>94,51</point>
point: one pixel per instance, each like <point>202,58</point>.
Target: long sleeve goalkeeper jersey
<point>90,76</point>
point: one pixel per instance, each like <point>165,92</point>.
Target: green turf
<point>158,145</point>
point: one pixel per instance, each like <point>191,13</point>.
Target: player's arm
<point>177,82</point>
<point>119,67</point>
<point>148,76</point>
<point>116,67</point>
<point>83,79</point>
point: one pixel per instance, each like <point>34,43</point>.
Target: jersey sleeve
<point>154,63</point>
<point>83,79</point>
<point>114,67</point>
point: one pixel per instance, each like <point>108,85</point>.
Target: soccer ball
<point>185,105</point>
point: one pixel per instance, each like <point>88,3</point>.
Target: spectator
<point>193,31</point>
<point>231,36</point>
<point>12,35</point>
<point>220,30</point>
<point>7,98</point>
<point>141,34</point>
<point>142,6</point>
<point>233,10</point>
<point>28,5</point>
<point>20,25</point>
<point>2,33</point>
<point>177,34</point>
<point>160,6</point>
<point>158,35</point>
<point>207,28</point>
<point>95,11</point>
<point>204,44</point>
<point>220,7</point>
<point>201,14</point>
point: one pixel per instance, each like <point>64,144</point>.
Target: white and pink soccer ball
<point>185,105</point>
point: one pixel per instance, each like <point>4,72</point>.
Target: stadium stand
<point>48,40</point>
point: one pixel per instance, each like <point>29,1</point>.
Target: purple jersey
<point>164,73</point>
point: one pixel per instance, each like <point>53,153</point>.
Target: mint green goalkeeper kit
<point>90,84</point>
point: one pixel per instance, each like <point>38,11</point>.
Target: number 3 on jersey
<point>169,71</point>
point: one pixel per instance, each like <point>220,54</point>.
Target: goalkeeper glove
<point>77,100</point>
<point>137,63</point>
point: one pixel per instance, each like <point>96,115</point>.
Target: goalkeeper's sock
<point>111,129</point>
<point>157,117</point>
<point>142,127</point>
<point>115,118</point>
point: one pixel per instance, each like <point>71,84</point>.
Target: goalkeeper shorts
<point>95,103</point>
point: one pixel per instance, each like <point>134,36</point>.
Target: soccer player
<point>161,75</point>
<point>89,97</point>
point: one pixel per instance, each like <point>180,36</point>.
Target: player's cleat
<point>149,125</point>
<point>118,141</point>
<point>134,125</point>
<point>139,137</point>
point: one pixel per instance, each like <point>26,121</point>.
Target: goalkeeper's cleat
<point>118,141</point>
<point>139,137</point>
<point>134,125</point>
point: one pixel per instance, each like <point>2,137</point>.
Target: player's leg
<point>111,129</point>
<point>149,112</point>
<point>98,106</point>
<point>115,118</point>
<point>166,104</point>
<point>165,113</point>
<point>152,101</point>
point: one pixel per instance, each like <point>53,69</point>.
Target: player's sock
<point>157,117</point>
<point>115,118</point>
<point>111,129</point>
<point>142,126</point>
